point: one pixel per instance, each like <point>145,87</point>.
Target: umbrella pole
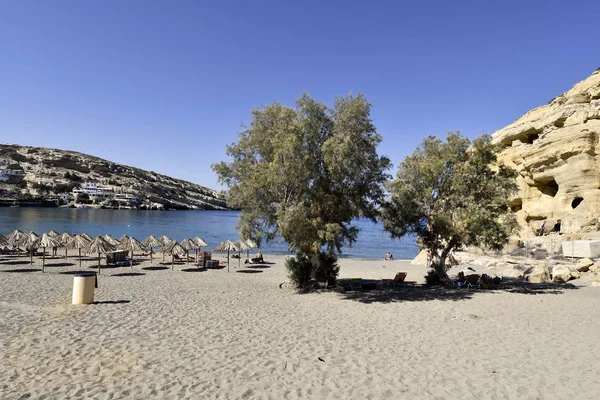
<point>227,260</point>
<point>131,265</point>
<point>79,258</point>
<point>98,263</point>
<point>31,256</point>
<point>172,260</point>
<point>187,256</point>
<point>66,253</point>
<point>43,259</point>
<point>150,255</point>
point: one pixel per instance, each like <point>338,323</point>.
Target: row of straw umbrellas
<point>107,243</point>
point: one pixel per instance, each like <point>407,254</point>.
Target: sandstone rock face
<point>555,149</point>
<point>562,273</point>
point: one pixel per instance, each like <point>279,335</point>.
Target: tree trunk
<point>439,261</point>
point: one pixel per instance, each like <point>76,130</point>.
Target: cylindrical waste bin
<point>84,284</point>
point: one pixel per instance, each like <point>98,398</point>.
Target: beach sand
<point>174,334</point>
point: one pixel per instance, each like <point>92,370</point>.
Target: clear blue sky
<point>165,85</point>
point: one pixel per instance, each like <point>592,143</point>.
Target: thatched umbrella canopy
<point>200,243</point>
<point>78,242</point>
<point>99,245</point>
<point>15,236</point>
<point>151,242</point>
<point>27,241</point>
<point>165,240</point>
<point>172,248</point>
<point>242,246</point>
<point>110,239</point>
<point>188,244</point>
<point>65,238</point>
<point>131,244</point>
<point>45,241</point>
<point>86,237</point>
<point>3,241</point>
<point>252,244</point>
<point>53,234</point>
<point>124,237</point>
<point>226,246</point>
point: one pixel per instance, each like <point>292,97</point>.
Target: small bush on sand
<point>319,268</point>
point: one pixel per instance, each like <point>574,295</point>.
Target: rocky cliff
<point>47,172</point>
<point>555,149</point>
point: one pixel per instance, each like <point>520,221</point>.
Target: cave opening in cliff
<point>516,205</point>
<point>547,187</point>
<point>576,202</point>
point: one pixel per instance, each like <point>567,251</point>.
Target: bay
<point>212,226</point>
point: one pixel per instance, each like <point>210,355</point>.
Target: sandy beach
<point>177,334</point>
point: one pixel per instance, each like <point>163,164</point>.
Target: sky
<point>166,85</point>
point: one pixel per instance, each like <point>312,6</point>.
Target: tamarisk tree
<point>451,193</point>
<point>305,173</point>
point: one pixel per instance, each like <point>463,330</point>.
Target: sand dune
<point>157,333</point>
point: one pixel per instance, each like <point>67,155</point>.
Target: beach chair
<point>400,277</point>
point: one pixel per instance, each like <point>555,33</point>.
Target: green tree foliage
<point>305,173</point>
<point>451,193</point>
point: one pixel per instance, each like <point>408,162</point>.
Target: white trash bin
<point>84,284</point>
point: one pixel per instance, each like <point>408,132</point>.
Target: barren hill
<point>47,172</point>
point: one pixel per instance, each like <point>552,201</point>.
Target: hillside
<point>48,172</point>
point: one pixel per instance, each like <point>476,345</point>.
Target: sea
<point>212,226</point>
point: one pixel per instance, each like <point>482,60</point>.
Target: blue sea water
<point>212,226</point>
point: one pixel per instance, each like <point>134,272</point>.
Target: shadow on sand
<point>412,292</point>
<point>112,302</point>
<point>155,268</point>
<point>249,271</point>
<point>194,270</point>
<point>261,266</point>
<point>128,274</point>
<point>63,264</point>
<point>23,270</point>
<point>20,262</point>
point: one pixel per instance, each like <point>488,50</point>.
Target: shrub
<point>18,157</point>
<point>319,267</point>
<point>300,270</point>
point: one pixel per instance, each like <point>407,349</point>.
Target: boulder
<point>537,274</point>
<point>561,273</point>
<point>595,268</point>
<point>584,264</point>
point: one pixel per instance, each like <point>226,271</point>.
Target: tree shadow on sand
<point>413,292</point>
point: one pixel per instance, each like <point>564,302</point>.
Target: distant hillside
<point>48,172</point>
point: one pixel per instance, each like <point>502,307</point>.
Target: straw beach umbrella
<point>165,240</point>
<point>3,240</point>
<point>124,237</point>
<point>54,235</point>
<point>151,242</point>
<point>27,242</point>
<point>99,245</point>
<point>188,244</point>
<point>86,237</point>
<point>199,242</point>
<point>111,240</point>
<point>172,248</point>
<point>252,244</point>
<point>131,244</point>
<point>226,246</point>
<point>45,241</point>
<point>78,242</point>
<point>65,238</point>
<point>15,236</point>
<point>242,246</point>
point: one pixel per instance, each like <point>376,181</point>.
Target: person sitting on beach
<point>258,258</point>
<point>389,256</point>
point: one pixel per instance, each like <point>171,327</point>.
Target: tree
<point>451,194</point>
<point>305,173</point>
